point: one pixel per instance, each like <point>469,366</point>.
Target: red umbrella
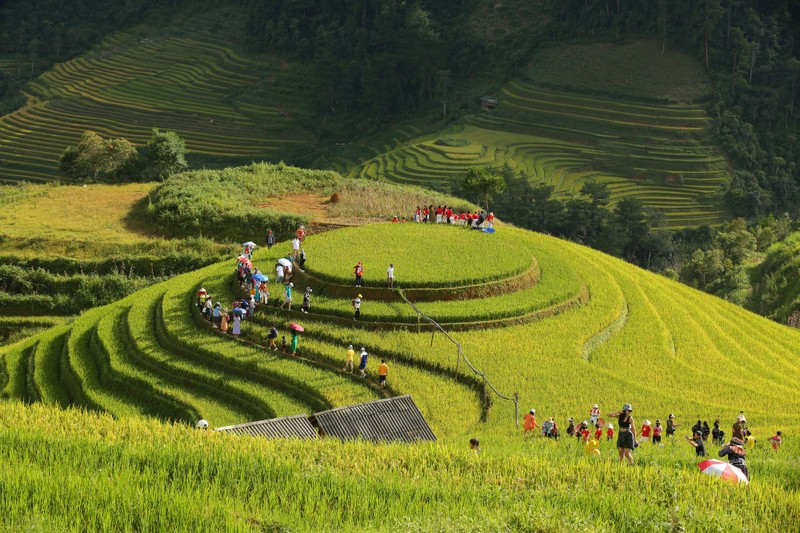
<point>722,470</point>
<point>296,327</point>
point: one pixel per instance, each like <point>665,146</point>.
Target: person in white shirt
<point>295,247</point>
<point>390,276</point>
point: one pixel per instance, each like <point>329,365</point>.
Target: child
<point>646,431</point>
<point>585,432</point>
<point>263,292</point>
<point>349,361</point>
<point>283,343</point>
<point>657,432</point>
<point>776,440</point>
<point>610,432</point>
<point>598,432</point>
<point>475,446</point>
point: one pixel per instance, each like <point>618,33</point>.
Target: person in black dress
<point>626,438</point>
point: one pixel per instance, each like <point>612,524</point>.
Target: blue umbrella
<point>238,311</point>
<point>260,277</point>
<point>488,230</point>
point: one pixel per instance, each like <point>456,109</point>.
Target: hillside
<point>559,324</point>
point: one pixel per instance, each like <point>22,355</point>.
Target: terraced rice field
<point>657,153</point>
<point>228,109</point>
<point>575,316</point>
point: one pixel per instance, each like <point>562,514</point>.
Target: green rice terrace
<point>228,109</point>
<point>658,153</point>
<point>558,324</point>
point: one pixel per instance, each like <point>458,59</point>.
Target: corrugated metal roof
<point>296,426</point>
<point>390,419</point>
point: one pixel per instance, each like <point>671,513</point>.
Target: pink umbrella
<point>296,327</point>
<point>722,470</point>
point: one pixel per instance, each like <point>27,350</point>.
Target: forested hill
<point>380,61</point>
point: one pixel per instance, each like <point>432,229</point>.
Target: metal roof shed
<point>390,419</point>
<point>297,427</point>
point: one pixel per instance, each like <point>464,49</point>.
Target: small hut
<point>488,103</point>
<point>297,427</point>
<point>390,419</point>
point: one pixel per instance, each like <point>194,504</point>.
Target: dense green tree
<point>97,159</point>
<point>484,183</point>
<point>164,154</point>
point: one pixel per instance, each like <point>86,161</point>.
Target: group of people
<point>444,214</point>
<point>628,438</point>
<point>363,357</point>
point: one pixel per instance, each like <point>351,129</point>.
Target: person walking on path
<point>223,325</point>
<point>287,295</point>
<point>530,421</point>
<point>390,276</point>
<point>362,365</point>
<point>301,233</point>
<point>306,307</point>
<point>295,248</point>
<point>270,239</point>
<point>237,324</point>
<point>657,433</point>
<point>348,362</point>
<point>383,371</point>
<point>698,443</point>
<point>626,439</point>
<point>293,345</point>
<point>273,339</point>
<point>357,307</point>
<point>358,270</point>
<point>736,455</point>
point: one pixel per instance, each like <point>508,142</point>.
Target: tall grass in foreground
<point>71,470</point>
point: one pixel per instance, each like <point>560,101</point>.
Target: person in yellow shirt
<point>383,371</point>
<point>349,362</point>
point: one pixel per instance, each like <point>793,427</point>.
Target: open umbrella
<point>243,258</point>
<point>488,230</point>
<point>722,470</point>
<point>285,262</point>
<point>260,277</point>
<point>238,311</point>
<point>249,244</point>
<point>296,327</point>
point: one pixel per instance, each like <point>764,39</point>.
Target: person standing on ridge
<point>362,365</point>
<point>294,342</point>
<point>295,248</point>
<point>301,233</point>
<point>358,270</point>
<point>390,276</point>
<point>626,441</point>
<point>270,239</point>
<point>357,307</point>
<point>287,295</point>
<point>383,372</point>
<point>348,363</point>
<point>273,338</point>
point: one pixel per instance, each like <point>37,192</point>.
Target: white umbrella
<point>249,244</point>
<point>285,262</point>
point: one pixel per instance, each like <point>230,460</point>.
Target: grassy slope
<point>675,350</point>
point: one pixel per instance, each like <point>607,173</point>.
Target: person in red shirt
<point>776,440</point>
<point>490,220</point>
<point>301,233</point>
<point>646,430</point>
<point>462,218</point>
<point>417,215</point>
<point>585,432</point>
<point>439,213</point>
<point>610,432</point>
<point>425,214</point>
<point>657,432</point>
<point>598,432</point>
<point>395,219</point>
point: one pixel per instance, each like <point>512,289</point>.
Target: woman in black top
<point>735,452</point>
<point>626,438</point>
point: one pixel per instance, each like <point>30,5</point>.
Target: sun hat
<point>360,296</point>
<point>627,407</point>
<point>584,423</point>
<point>291,284</point>
<point>658,420</point>
<point>610,426</point>
<point>671,415</point>
<point>350,347</point>
<point>533,411</point>
<point>646,422</point>
<point>594,406</point>
<point>569,420</point>
<point>203,424</point>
